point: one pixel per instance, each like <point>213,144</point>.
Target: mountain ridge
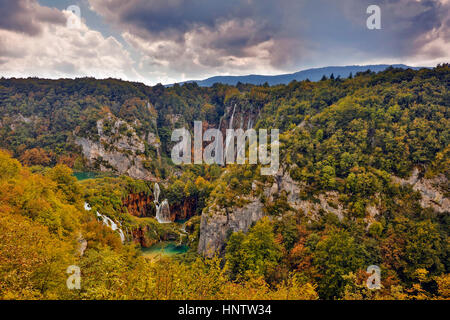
<point>313,74</point>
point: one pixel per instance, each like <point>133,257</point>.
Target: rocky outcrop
<point>215,225</point>
<point>324,202</point>
<point>82,244</point>
<point>184,210</point>
<point>431,190</point>
<point>146,235</point>
<point>18,120</point>
<point>139,205</point>
<point>118,149</point>
<point>140,236</point>
<point>142,205</point>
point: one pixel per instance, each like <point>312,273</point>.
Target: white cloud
<point>204,51</point>
<point>58,51</point>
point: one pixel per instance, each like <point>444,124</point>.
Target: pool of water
<point>84,175</point>
<point>168,248</point>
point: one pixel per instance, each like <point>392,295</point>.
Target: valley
<point>363,179</point>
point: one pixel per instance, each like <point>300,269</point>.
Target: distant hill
<point>314,74</point>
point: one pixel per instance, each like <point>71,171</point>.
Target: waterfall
<point>156,192</point>
<point>220,121</point>
<point>184,234</point>
<point>107,222</point>
<point>163,209</point>
<point>220,126</point>
<point>229,137</point>
<point>163,212</point>
<point>250,122</point>
<point>230,126</point>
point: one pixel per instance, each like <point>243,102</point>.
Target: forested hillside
<point>363,180</point>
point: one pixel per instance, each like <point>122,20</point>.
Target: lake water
<point>84,175</point>
<point>168,248</point>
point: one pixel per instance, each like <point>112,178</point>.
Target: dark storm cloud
<point>299,29</point>
<point>174,18</point>
<point>181,15</point>
<point>27,15</point>
<point>229,28</point>
<point>406,24</point>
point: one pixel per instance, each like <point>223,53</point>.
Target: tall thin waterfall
<point>250,122</point>
<point>156,192</point>
<point>221,119</point>
<point>229,137</point>
<point>230,126</point>
<point>163,209</point>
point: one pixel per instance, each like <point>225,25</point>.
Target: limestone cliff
<point>432,190</point>
<point>215,225</point>
<point>118,148</point>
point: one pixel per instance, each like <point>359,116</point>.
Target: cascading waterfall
<point>107,222</point>
<point>184,234</point>
<point>163,209</point>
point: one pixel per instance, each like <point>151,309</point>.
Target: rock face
<point>184,210</point>
<point>82,244</point>
<point>236,117</point>
<point>146,236</point>
<point>140,236</point>
<point>215,226</point>
<point>325,202</point>
<point>142,205</point>
<point>431,190</point>
<point>17,120</point>
<point>118,149</point>
<point>139,205</point>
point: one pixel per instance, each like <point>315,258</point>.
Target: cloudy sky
<point>167,41</point>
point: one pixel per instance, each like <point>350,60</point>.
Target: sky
<point>167,41</point>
